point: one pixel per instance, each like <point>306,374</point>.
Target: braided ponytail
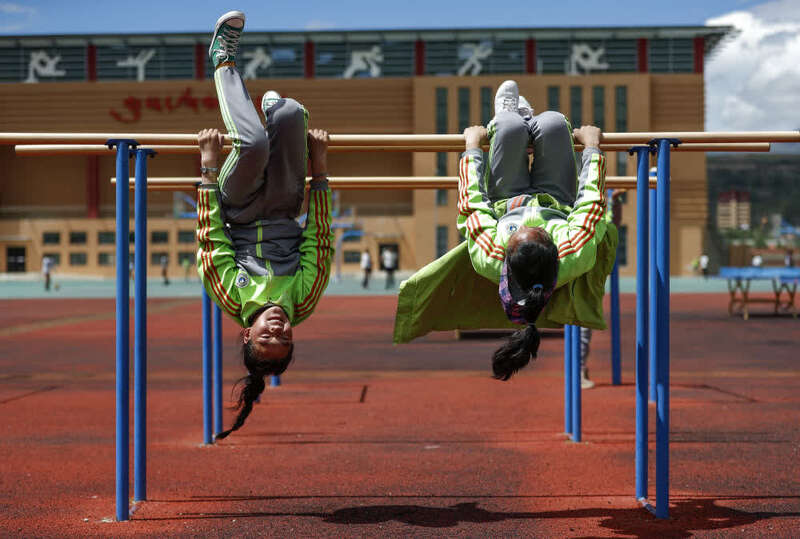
<point>523,344</point>
<point>253,384</point>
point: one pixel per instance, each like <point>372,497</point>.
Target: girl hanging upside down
<point>537,230</point>
<point>257,263</point>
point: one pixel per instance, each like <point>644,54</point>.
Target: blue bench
<point>783,280</point>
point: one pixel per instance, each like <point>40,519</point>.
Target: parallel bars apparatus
<point>658,287</point>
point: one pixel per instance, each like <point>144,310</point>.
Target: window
<point>598,104</point>
<point>77,238</point>
<point>352,257</point>
<point>622,163</point>
<point>621,107</point>
<point>156,259</point>
<point>77,259</point>
<point>441,127</point>
<point>622,246</point>
<point>441,197</point>
<point>186,236</point>
<point>159,236</point>
<point>51,238</point>
<point>55,257</point>
<point>105,259</point>
<point>186,255</point>
<point>576,105</point>
<point>553,98</point>
<point>441,240</point>
<point>106,238</point>
<point>463,109</point>
<point>486,105</point>
<point>441,164</point>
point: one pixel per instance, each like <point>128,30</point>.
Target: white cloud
<point>16,16</point>
<point>753,79</point>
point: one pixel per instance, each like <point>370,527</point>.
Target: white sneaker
<point>585,382</point>
<point>268,99</point>
<point>507,97</point>
<point>525,109</point>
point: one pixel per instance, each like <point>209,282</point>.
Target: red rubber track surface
<point>369,439</point>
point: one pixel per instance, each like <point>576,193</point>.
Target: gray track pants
<point>553,171</point>
<point>263,179</point>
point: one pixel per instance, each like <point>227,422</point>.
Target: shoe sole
<point>222,20</point>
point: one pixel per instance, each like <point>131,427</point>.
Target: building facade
<point>621,79</point>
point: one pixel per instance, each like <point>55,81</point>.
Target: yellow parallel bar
<point>372,183</point>
<point>100,149</point>
<point>415,140</point>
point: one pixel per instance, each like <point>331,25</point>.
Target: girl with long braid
<point>531,228</point>
<point>255,260</point>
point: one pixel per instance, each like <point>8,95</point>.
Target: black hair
<point>532,263</point>
<point>253,384</point>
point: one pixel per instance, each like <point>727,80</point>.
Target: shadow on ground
<point>687,516</point>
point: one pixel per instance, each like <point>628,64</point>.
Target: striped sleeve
<point>316,255</point>
<point>577,238</point>
<point>215,255</point>
<point>476,220</point>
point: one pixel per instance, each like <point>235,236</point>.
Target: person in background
<point>164,263</point>
<point>47,269</point>
<point>757,261</point>
<point>703,263</point>
<point>366,267</point>
<point>389,260</point>
<point>788,259</point>
<point>187,268</point>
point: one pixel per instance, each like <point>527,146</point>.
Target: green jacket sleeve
<point>316,252</point>
<point>215,256</point>
<point>577,238</point>
<point>476,220</point>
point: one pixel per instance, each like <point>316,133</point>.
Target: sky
<point>752,80</point>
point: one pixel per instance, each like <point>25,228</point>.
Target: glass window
<point>159,236</point>
<point>106,237</point>
<point>441,127</point>
<point>463,109</point>
<point>622,246</point>
<point>576,105</point>
<point>487,104</point>
<point>55,257</point>
<point>441,197</point>
<point>186,255</point>
<point>621,107</point>
<point>77,259</point>
<point>157,259</point>
<point>673,55</point>
<point>441,240</point>
<point>51,238</point>
<point>352,257</point>
<point>187,236</point>
<point>553,98</point>
<point>622,163</point>
<point>441,164</point>
<point>105,259</point>
<point>77,238</point>
<point>598,105</point>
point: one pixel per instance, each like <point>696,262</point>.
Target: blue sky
<point>90,17</point>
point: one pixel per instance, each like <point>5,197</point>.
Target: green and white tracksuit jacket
<point>459,290</point>
<point>240,293</point>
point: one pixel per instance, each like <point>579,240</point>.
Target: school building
<point>426,81</point>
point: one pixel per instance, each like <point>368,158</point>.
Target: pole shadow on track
<point>687,515</point>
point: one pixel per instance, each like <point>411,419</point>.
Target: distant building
<point>733,210</point>
<point>383,81</point>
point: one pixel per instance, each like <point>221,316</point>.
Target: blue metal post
<point>653,300</point>
<point>140,329</point>
<point>206,301</point>
<point>217,370</point>
<point>662,347</point>
<point>642,248</point>
<point>274,380</point>
<point>616,359</point>
<point>576,383</point>
<point>568,379</point>
<point>122,327</point>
